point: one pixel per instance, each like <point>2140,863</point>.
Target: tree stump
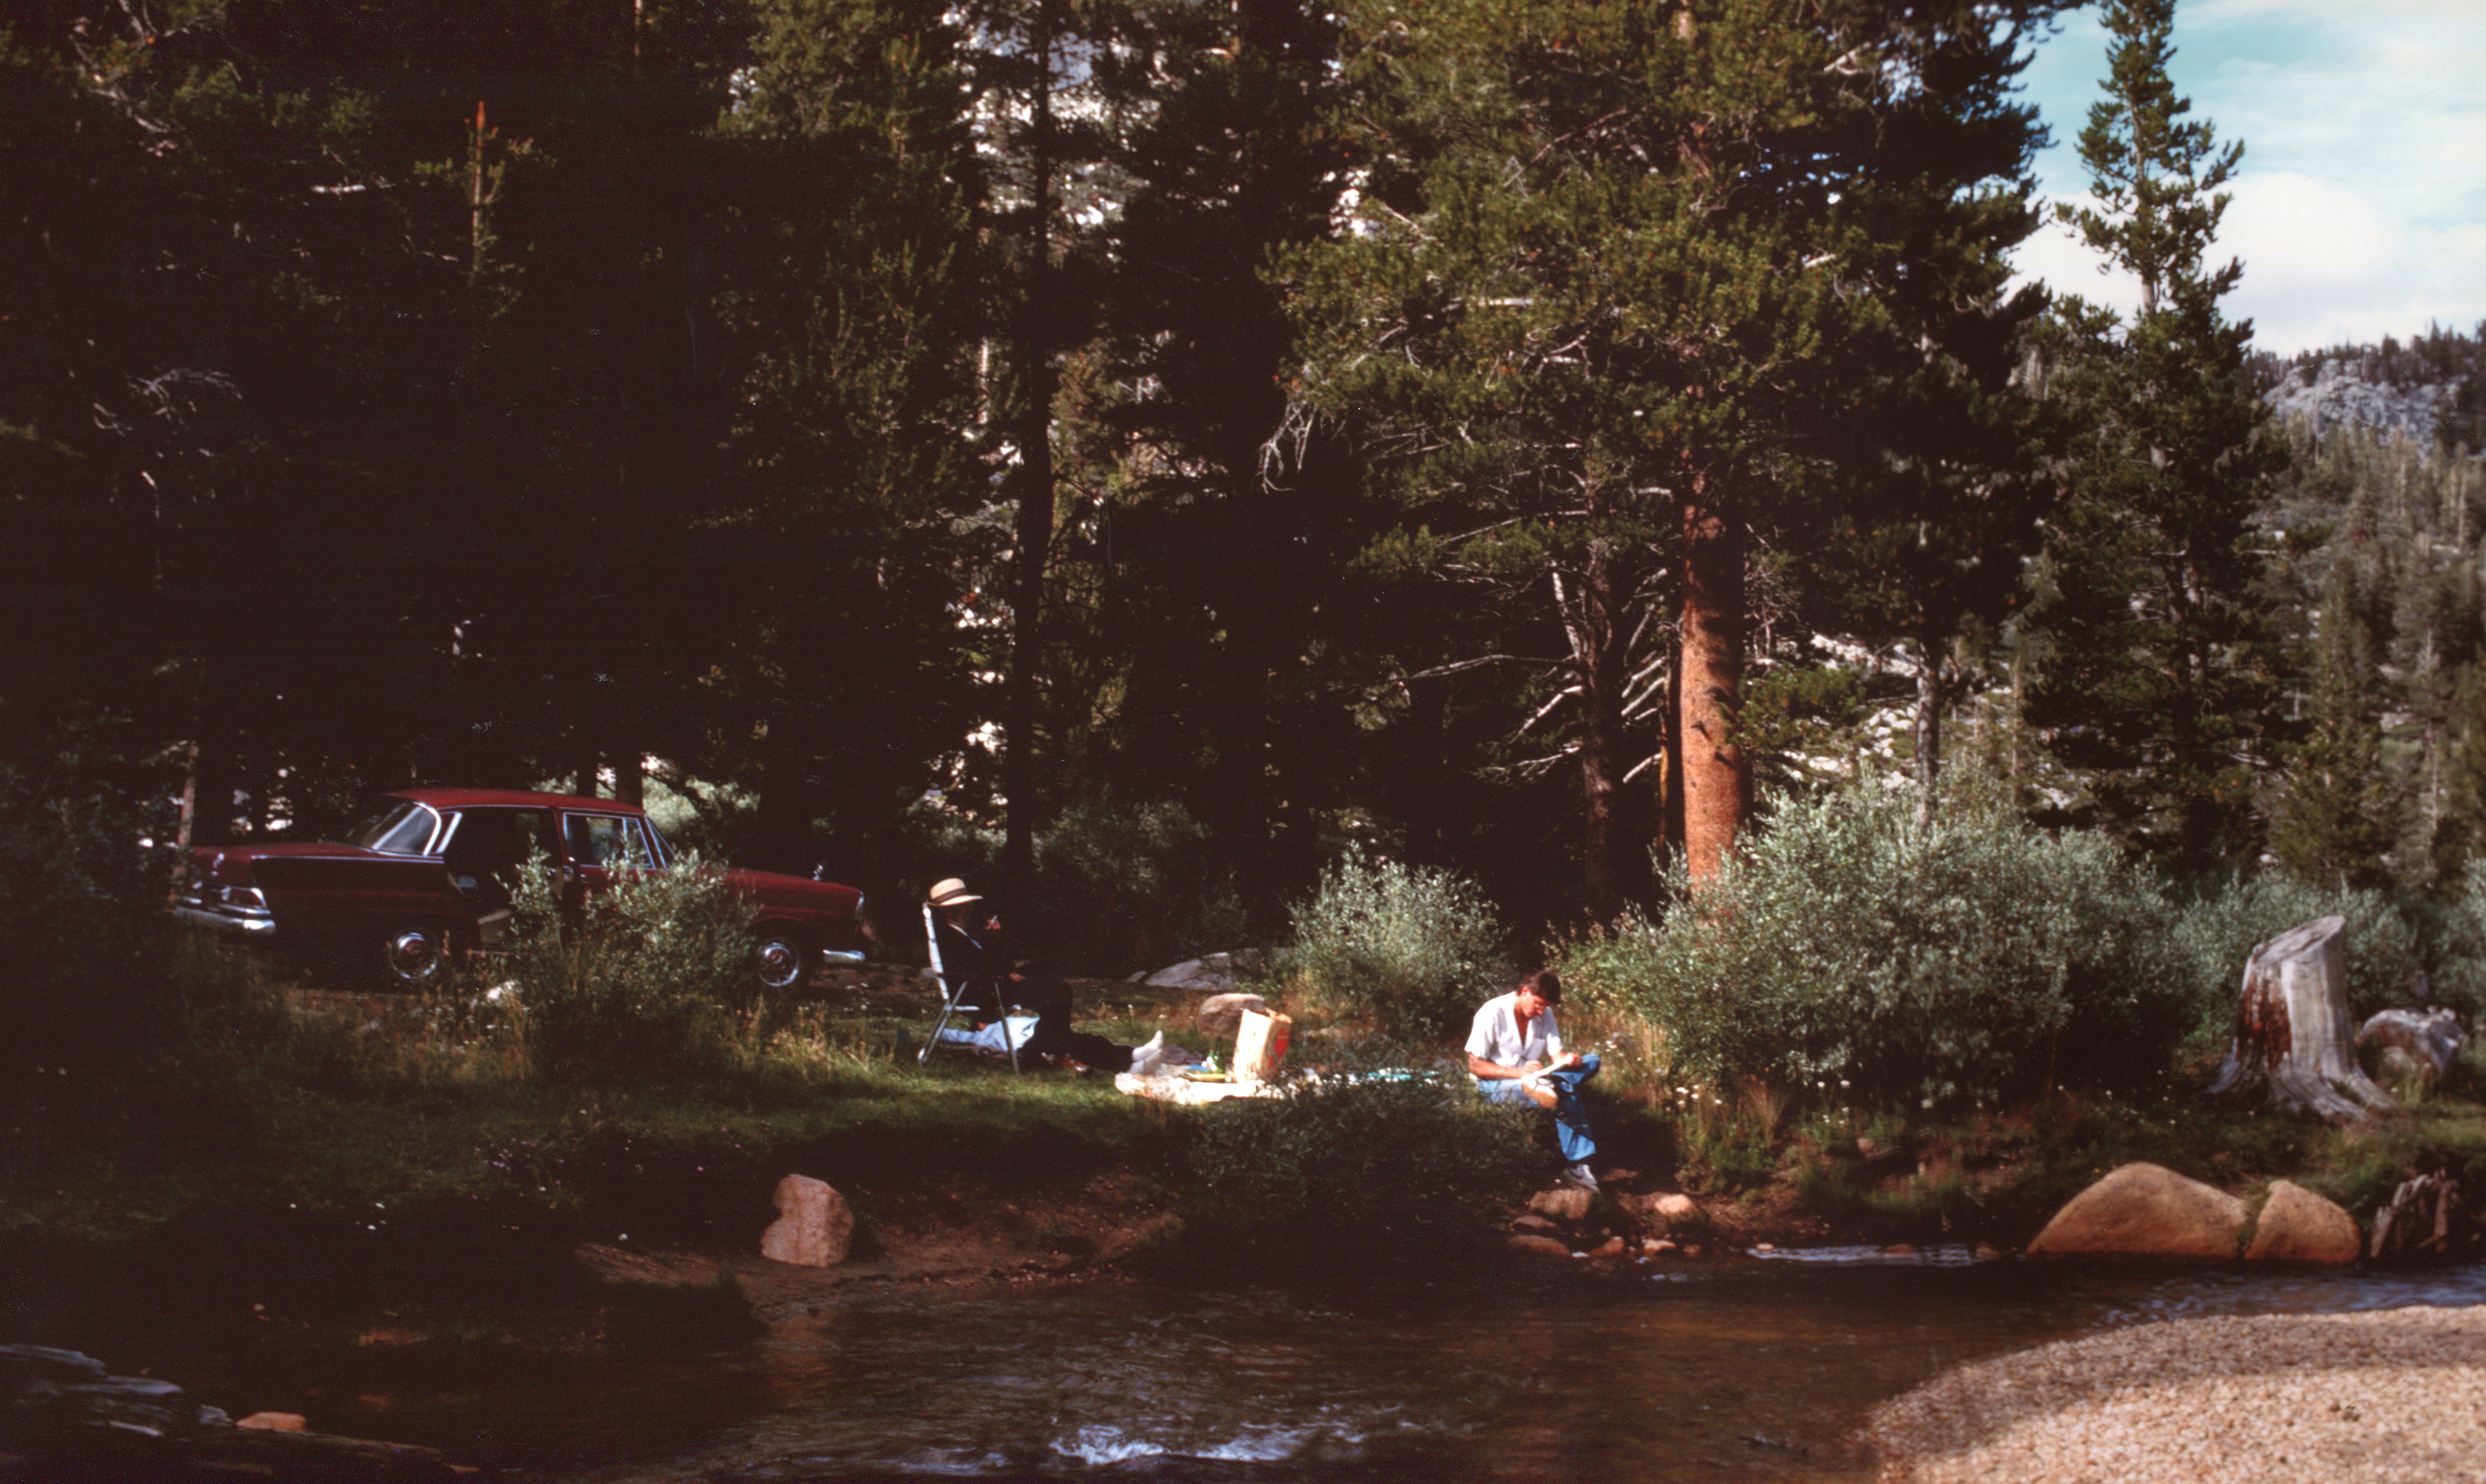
<point>2417,1220</point>
<point>2292,1049</point>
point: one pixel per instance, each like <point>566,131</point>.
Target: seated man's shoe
<point>1580,1176</point>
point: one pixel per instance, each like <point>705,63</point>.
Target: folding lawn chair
<point>953,990</point>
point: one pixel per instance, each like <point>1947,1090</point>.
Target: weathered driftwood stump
<point>2414,1049</point>
<point>2417,1221</point>
<point>2291,1049</point>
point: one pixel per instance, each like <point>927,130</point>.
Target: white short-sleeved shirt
<point>1496,1038</point>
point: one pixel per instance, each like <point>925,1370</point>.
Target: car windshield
<point>402,827</point>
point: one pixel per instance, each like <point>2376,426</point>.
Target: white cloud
<point>2362,207</point>
<point>2328,262</point>
<point>2325,263</point>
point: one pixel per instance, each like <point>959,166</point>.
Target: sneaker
<point>1581,1176</point>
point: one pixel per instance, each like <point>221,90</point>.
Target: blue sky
<point>2360,209</point>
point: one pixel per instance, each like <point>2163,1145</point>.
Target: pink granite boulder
<point>814,1227</point>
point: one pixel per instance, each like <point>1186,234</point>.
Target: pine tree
<point>842,536</point>
<point>1618,274</point>
<point>2460,836</point>
<point>1212,570</point>
<point>2157,683</point>
<point>2338,814</point>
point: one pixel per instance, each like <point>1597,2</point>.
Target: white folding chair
<point>953,989</point>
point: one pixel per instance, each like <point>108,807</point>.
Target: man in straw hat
<point>972,952</point>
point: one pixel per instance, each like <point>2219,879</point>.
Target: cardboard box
<point>1261,1046</point>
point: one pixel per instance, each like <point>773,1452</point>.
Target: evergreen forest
<point>1130,440</point>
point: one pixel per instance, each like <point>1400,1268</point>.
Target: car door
<point>485,852</point>
<point>596,845</point>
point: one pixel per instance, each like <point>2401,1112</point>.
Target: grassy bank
<point>368,1107</point>
<point>393,1119</point>
<point>345,1166</point>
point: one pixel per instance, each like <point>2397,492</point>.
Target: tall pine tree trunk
<point>1929,718</point>
<point>1616,861</point>
<point>1717,779</point>
<point>1034,516</point>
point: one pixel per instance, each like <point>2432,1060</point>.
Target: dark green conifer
<point>1618,274</point>
<point>2338,814</point>
<point>2159,679</point>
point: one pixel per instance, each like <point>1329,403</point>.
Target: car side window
<point>605,839</point>
<point>493,839</point>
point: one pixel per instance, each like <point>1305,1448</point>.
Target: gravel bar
<point>2385,1395</point>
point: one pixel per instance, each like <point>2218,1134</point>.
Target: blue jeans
<point>1570,1117</point>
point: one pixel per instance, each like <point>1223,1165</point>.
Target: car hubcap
<point>779,963</point>
<point>411,954</point>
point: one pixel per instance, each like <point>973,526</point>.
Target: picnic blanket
<point>1172,1087</point>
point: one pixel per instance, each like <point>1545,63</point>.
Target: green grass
<point>371,1114</point>
<point>405,1119</point>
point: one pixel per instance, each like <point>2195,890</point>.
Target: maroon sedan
<point>429,872</point>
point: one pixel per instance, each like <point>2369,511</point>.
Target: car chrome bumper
<point>840,957</point>
<point>259,923</point>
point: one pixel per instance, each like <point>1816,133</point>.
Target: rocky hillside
<point>2432,388</point>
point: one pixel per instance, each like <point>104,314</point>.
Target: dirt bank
<point>955,1235</point>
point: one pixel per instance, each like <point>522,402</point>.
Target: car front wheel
<point>785,958</point>
<point>412,956</point>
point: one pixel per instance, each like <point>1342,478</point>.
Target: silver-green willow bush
<point>1850,948</point>
<point>1406,950</point>
<point>651,977</point>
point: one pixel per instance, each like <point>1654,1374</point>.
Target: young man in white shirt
<point>1515,1051</point>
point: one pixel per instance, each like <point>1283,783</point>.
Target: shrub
<point>1371,1160</point>
<point>1848,948</point>
<point>652,976</point>
<point>98,977</point>
<point>1405,950</point>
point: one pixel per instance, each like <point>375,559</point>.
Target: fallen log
<point>64,1420</point>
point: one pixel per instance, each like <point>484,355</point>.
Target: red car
<point>429,874</point>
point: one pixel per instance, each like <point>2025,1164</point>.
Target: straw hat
<point>951,892</point>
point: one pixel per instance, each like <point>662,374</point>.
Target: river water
<point>1744,1369</point>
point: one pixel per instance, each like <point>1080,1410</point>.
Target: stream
<point>1749,1368</point>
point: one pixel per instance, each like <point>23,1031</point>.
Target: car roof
<point>510,798</point>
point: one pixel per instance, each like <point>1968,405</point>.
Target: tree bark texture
<point>1033,527</point>
<point>2292,1048</point>
<point>1717,783</point>
<point>1929,716</point>
<point>1616,865</point>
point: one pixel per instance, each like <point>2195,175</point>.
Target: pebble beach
<point>2387,1395</point>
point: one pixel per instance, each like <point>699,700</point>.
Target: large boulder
<point>1676,1209</point>
<point>814,1225</point>
<point>1565,1204</point>
<point>1222,1015</point>
<point>1659,1214</point>
<point>1213,975</point>
<point>2297,1225</point>
<point>2145,1210</point>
